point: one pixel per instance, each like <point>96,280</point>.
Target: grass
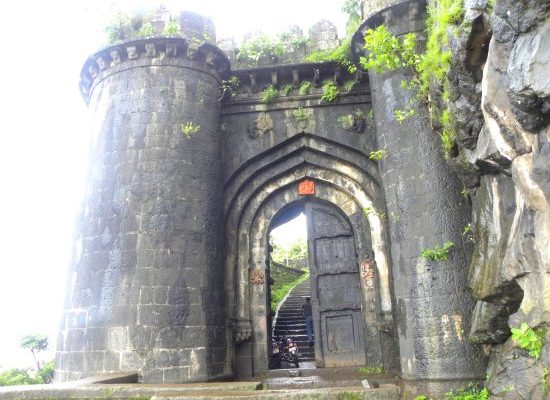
<point>371,370</point>
<point>284,283</point>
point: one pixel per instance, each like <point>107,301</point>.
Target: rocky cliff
<point>500,98</point>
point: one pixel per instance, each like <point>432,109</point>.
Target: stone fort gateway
<point>170,277</point>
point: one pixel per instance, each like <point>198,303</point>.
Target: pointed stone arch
<point>255,195</point>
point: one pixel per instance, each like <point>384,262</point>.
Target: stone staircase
<point>289,321</point>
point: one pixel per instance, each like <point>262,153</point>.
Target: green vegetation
<point>373,211</point>
<point>229,86</point>
<point>286,89</point>
<point>438,253</point>
<point>269,94</point>
<point>280,289</point>
<point>387,53</point>
<point>377,155</point>
<point>44,372</point>
<point>146,30</point>
<point>349,396</point>
<point>430,69</point>
<point>172,28</point>
<point>529,339</point>
<point>291,256</point>
<point>330,92</point>
<point>447,132</point>
<point>349,84</point>
<point>304,88</point>
<point>189,129</point>
<point>402,115</point>
<point>472,392</point>
<point>299,114</point>
<point>263,48</point>
<point>36,344</point>
<point>371,370</point>
<point>123,27</point>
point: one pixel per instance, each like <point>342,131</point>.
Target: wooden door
<point>335,288</point>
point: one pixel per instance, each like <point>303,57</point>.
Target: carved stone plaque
<point>257,277</point>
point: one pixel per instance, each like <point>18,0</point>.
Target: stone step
<point>384,392</point>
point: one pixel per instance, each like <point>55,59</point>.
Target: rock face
<point>501,95</point>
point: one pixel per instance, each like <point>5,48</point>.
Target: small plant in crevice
<point>377,155</point>
<point>354,121</point>
<point>349,84</point>
<point>304,88</point>
<point>330,92</point>
<point>438,253</point>
<point>189,129</point>
<point>529,339</point>
<point>286,89</point>
<point>468,232</point>
<point>394,217</point>
<point>300,114</point>
<point>269,94</point>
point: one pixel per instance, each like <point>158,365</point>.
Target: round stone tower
<point>433,303</point>
<point>147,284</point>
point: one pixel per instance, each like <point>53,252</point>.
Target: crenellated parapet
<point>156,51</point>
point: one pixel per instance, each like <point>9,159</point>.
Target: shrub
<point>528,339</point>
<point>299,114</point>
<point>269,94</point>
<point>330,92</point>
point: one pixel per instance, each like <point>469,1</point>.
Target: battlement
<point>151,51</point>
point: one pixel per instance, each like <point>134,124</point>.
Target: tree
<point>35,343</point>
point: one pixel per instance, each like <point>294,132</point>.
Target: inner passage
<point>290,290</point>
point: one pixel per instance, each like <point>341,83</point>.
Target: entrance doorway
<point>334,282</point>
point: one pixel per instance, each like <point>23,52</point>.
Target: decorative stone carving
<point>150,50</point>
<point>368,269</point>
<point>115,57</point>
<point>257,277</point>
<point>261,126</point>
<point>172,50</point>
<point>132,52</point>
<point>242,330</point>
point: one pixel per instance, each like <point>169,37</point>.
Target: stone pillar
<point>433,304</point>
<point>146,290</point>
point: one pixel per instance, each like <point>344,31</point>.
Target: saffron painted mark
<point>306,187</point>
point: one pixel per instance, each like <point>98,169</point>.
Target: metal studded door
<point>335,288</point>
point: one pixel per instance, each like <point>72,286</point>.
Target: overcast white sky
<point>45,137</point>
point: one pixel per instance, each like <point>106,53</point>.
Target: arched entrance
<point>255,195</point>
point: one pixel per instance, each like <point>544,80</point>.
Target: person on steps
<point>308,317</point>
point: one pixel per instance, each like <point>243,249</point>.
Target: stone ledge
<point>159,48</point>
